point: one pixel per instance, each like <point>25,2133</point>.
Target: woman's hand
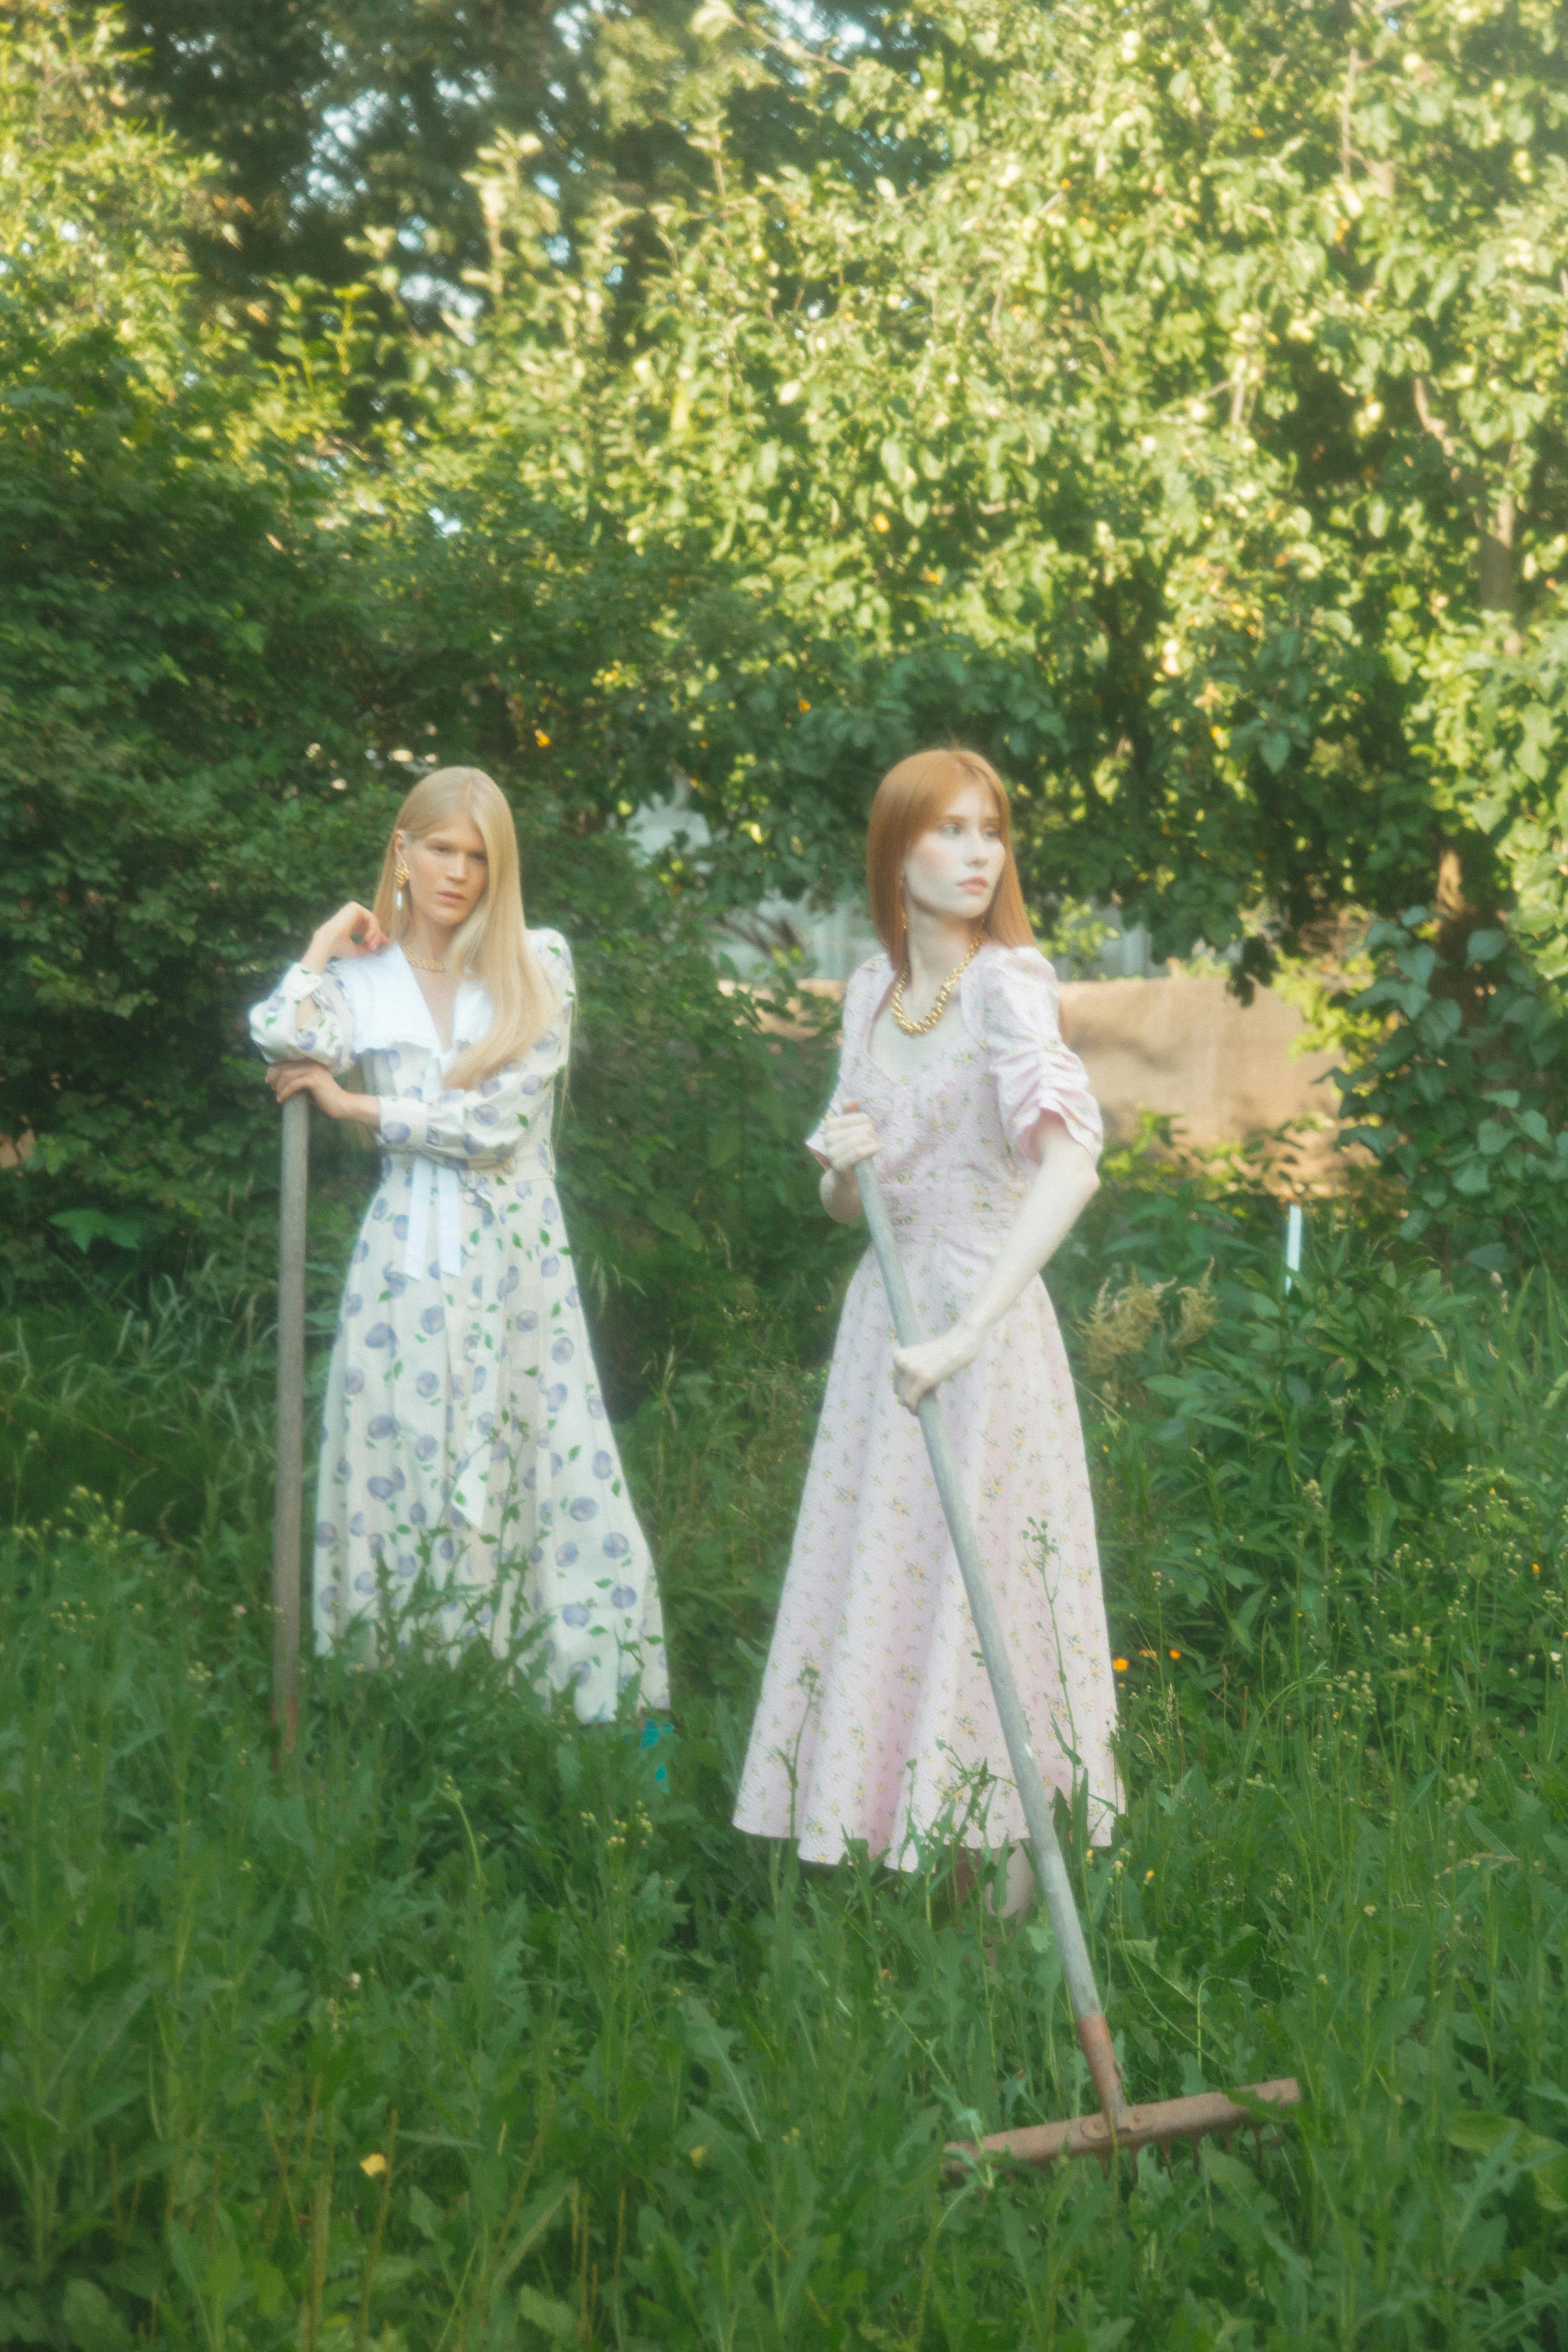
<point>352,931</point>
<point>848,1137</point>
<point>286,1078</point>
<point>917,1371</point>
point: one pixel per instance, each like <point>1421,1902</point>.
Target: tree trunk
<point>1494,557</point>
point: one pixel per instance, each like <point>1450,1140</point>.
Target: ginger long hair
<point>911,799</point>
<point>493,946</point>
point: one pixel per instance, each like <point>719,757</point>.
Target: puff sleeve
<point>858,992</point>
<point>323,1034</point>
<point>1037,1078</point>
<point>482,1126</point>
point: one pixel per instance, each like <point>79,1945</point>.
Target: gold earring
<point>400,877</point>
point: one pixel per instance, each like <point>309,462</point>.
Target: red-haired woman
<point>876,1720</point>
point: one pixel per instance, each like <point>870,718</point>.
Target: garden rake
<point>287,1498</point>
<point>1117,2126</point>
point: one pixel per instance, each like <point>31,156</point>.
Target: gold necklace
<point>919,1028</point>
<point>423,963</point>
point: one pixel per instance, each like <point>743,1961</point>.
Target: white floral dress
<point>464,1432</point>
<point>876,1720</point>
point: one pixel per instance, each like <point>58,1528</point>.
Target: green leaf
<point>91,2321</point>
<point>672,1220</point>
<point>557,2320</point>
<point>84,1227</point>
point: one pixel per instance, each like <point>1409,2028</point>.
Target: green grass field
<point>465,2031</point>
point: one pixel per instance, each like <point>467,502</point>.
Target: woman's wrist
<point>841,1194</point>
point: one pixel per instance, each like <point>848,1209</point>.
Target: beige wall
<point>1220,1069</point>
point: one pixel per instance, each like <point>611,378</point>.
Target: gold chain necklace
<point>423,963</point>
<point>919,1028</point>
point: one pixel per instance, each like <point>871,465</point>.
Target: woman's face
<point>449,872</point>
<point>954,869</point>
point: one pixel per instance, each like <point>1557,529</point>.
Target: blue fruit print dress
<point>464,1432</point>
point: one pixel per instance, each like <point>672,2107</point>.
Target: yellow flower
<point>698,2155</point>
<point>1120,1665</point>
<point>374,2165</point>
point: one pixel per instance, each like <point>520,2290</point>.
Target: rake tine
<point>1159,2125</point>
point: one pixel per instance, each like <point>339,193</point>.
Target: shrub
<point>1464,1098</point>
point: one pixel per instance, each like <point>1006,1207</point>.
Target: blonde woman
<point>464,1432</point>
<point>876,1721</point>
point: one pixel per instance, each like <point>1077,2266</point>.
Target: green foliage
<point>344,128</point>
<point>1463,1101</point>
<point>1144,413</point>
<point>1497,706</point>
<point>637,2079</point>
<point>1164,405</point>
<point>174,631</point>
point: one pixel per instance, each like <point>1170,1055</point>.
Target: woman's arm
<point>307,1012</point>
<point>1056,1200</point>
<point>473,1128</point>
<point>352,931</point>
<point>286,1078</point>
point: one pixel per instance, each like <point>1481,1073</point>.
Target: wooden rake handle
<point>1050,1869</point>
<point>289,1495</point>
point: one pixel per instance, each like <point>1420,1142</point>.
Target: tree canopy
<point>1166,399</point>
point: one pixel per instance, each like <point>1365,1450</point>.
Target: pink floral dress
<point>876,1720</point>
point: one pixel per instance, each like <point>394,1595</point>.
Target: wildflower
<point>373,2165</point>
<point>698,2155</point>
<point>1200,1312</point>
<point>1118,1324</point>
<point>1535,1568</point>
<point>1148,1874</point>
<point>1120,1665</point>
<point>1322,1979</point>
<point>1371,1910</point>
<point>1148,1653</point>
<point>1176,1653</point>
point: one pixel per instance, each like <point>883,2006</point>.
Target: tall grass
<point>466,2029</point>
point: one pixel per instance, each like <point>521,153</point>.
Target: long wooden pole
<point>1050,1869</point>
<point>288,1499</point>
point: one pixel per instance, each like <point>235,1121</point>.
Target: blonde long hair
<point>911,799</point>
<point>492,946</point>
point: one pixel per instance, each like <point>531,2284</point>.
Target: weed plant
<point>466,2029</point>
